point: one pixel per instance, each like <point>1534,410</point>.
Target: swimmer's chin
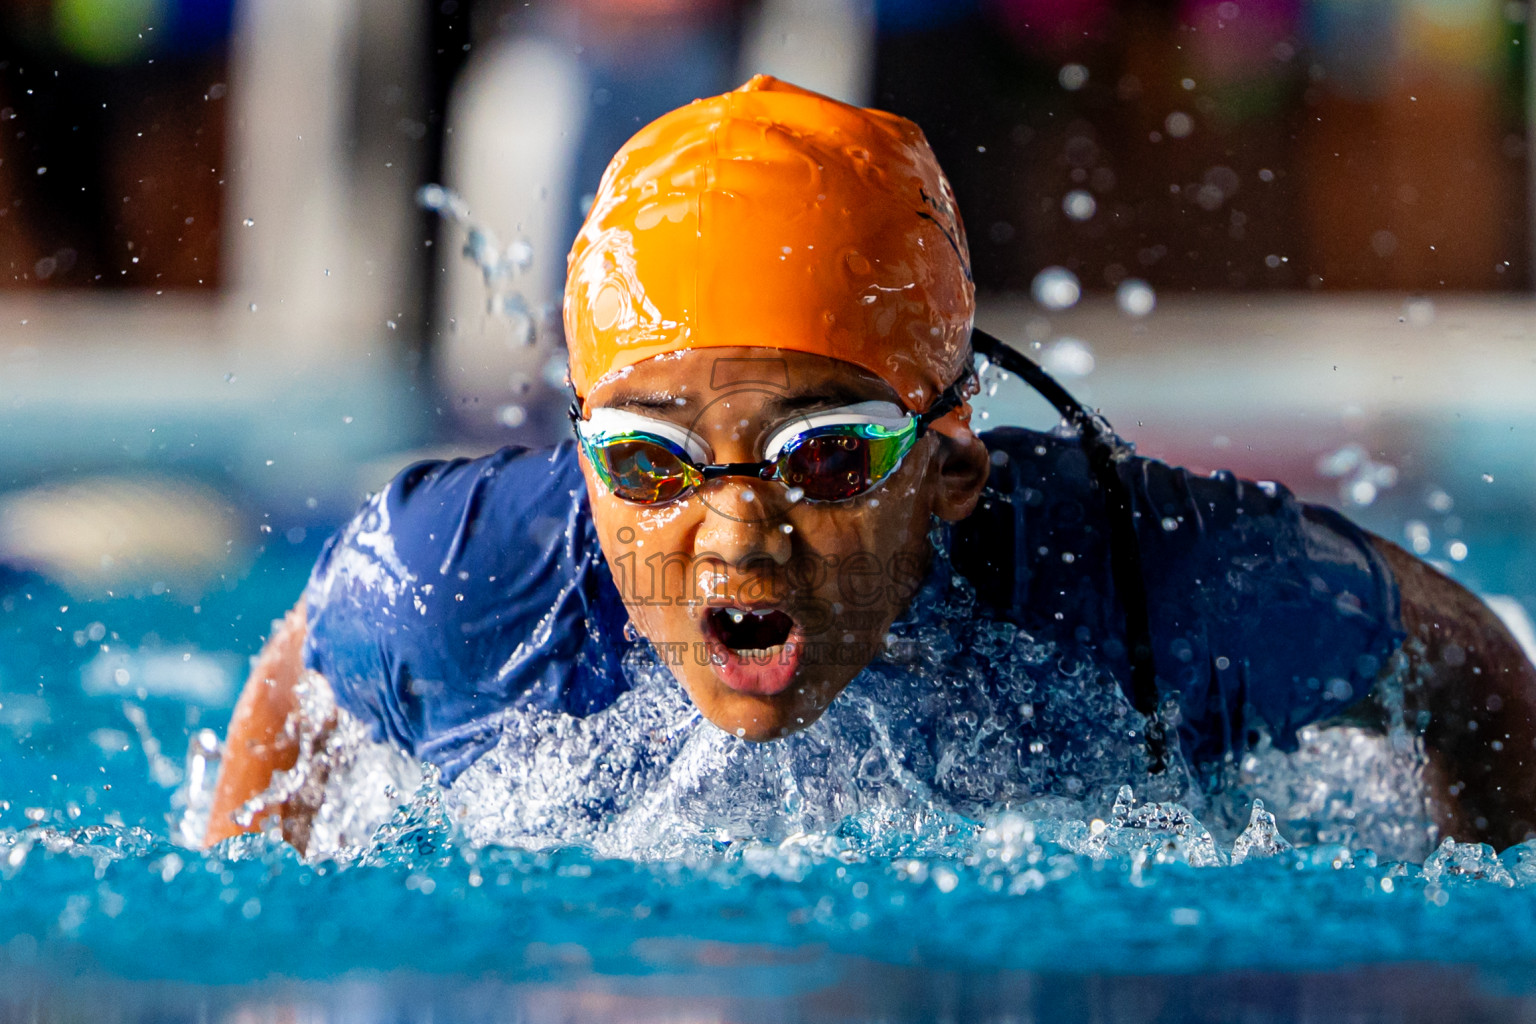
<point>762,720</point>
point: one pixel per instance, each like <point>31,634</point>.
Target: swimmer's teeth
<point>739,616</point>
<point>759,652</point>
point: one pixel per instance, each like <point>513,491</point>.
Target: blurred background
<point>257,255</point>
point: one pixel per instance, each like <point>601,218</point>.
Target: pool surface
<point>103,915</point>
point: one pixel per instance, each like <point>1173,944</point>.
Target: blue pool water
<point>103,916</point>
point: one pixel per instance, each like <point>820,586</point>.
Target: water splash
<point>500,266</point>
<point>1261,838</point>
<point>1471,861</point>
<point>1361,478</point>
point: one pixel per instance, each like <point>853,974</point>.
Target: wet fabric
<point>470,587</point>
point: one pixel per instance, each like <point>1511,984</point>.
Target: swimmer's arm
<point>263,736</point>
<point>1479,692</point>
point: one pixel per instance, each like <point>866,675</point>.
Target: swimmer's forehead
<point>812,392</point>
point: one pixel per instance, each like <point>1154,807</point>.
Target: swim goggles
<point>824,456</point>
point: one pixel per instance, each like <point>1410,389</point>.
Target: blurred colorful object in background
<point>112,142</point>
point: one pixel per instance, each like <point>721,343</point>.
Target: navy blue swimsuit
<point>469,587</point>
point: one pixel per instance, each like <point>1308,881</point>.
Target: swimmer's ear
<point>962,464</point>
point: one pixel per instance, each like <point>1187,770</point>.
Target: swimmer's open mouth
<point>753,650</point>
<point>750,631</point>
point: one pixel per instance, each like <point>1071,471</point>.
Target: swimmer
<point>769,321</point>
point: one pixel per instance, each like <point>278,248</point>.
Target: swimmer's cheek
<point>1476,690</point>
<point>263,732</point>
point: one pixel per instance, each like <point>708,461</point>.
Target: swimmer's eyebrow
<point>654,401</point>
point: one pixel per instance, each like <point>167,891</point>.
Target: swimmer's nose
<point>742,524</point>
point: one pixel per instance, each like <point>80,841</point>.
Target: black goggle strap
<point>1098,443</point>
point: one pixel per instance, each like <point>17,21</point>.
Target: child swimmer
<point>769,320</point>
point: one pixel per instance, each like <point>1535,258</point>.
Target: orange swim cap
<point>772,216</point>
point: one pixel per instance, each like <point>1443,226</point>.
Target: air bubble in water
<point>1457,550</point>
<point>1135,297</point>
<point>1056,288</point>
<point>1487,478</point>
<point>1079,204</point>
<point>512,415</point>
<point>1179,124</point>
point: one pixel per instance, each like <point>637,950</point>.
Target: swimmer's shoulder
<point>442,518</point>
<point>462,589</point>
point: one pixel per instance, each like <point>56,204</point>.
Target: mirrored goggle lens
<point>842,462</point>
<point>642,469</point>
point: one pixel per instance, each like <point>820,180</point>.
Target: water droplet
<point>229,378</point>
<point>1419,312</point>
<point>1072,77</point>
<point>1079,204</point>
<point>1135,297</point>
<point>390,324</point>
<point>253,307</point>
<point>1056,288</point>
<point>1179,124</point>
<point>248,222</point>
<point>794,494</point>
<point>1487,478</point>
<point>1170,524</point>
<point>786,528</point>
<point>1069,357</point>
<point>1457,550</point>
<point>512,416</point>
